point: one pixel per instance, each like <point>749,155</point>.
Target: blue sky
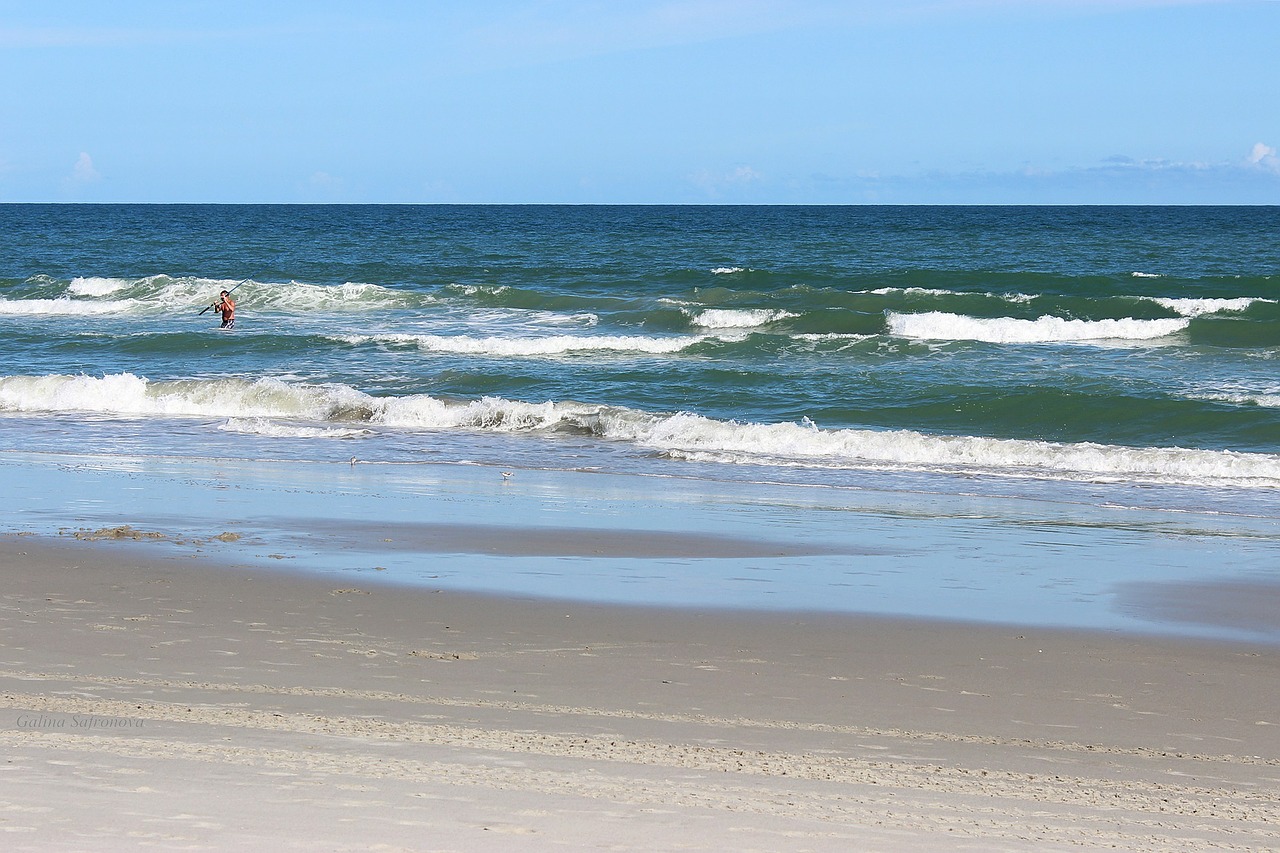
<point>688,101</point>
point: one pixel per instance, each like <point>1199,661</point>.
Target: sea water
<point>1043,375</point>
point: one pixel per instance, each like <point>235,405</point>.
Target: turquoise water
<point>1091,357</point>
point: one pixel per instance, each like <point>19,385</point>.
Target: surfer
<point>226,306</point>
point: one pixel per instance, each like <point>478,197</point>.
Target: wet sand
<point>153,697</point>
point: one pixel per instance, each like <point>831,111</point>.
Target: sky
<point>641,101</point>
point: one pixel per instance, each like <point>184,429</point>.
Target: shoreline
<point>631,540</point>
<point>263,706</point>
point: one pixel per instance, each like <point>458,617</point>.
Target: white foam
<point>298,296</point>
<point>488,413</point>
<point>581,319</point>
<point>727,270</point>
<point>1243,398</point>
<point>548,346</point>
<point>479,289</point>
<point>696,438</point>
<point>743,318</point>
<point>1200,307</point>
<point>910,291</point>
<point>62,307</point>
<point>1146,275</point>
<point>96,286</point>
<point>127,394</point>
<point>933,291</point>
<point>157,294</point>
<point>831,336</point>
<point>936,325</point>
<point>276,429</point>
<point>272,407</point>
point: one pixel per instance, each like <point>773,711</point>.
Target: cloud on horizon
<point>1264,156</point>
<point>718,184</point>
<point>83,172</point>
<point>1120,179</point>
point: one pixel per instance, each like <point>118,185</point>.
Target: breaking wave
<point>936,325</point>
<point>273,407</point>
<point>161,293</point>
<point>1200,307</point>
<point>740,318</point>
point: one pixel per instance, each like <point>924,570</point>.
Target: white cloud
<point>715,184</point>
<point>83,175</point>
<point>1264,156</point>
<point>83,172</point>
<point>1119,179</point>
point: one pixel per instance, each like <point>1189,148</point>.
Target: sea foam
<point>547,346</point>
<point>937,325</point>
<point>62,307</point>
<point>1200,307</point>
<point>339,411</point>
<point>129,395</point>
<point>276,429</point>
<point>160,293</point>
<point>738,318</point>
<point>96,286</point>
<point>700,439</point>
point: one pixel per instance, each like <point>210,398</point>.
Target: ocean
<point>1090,357</point>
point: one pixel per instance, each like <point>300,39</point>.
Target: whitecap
<point>936,325</point>
<point>96,286</point>
<point>1187,307</point>
<point>738,318</point>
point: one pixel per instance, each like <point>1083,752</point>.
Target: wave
<point>96,286</point>
<point>1200,307</point>
<point>937,325</point>
<point>161,293</point>
<point>1243,398</point>
<point>130,395</point>
<point>551,345</point>
<point>275,407</point>
<point>934,291</point>
<point>738,318</point>
<point>706,440</point>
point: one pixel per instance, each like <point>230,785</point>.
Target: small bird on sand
<point>506,475</point>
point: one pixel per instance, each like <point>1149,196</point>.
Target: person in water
<point>226,306</point>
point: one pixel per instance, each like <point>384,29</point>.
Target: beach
<point>664,527</point>
<point>158,697</point>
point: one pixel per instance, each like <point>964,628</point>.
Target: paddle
<point>229,292</point>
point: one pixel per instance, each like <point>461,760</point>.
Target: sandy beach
<point>154,697</point>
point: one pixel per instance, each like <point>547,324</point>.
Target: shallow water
<point>954,557</point>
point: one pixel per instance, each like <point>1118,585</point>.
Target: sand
<point>150,698</point>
